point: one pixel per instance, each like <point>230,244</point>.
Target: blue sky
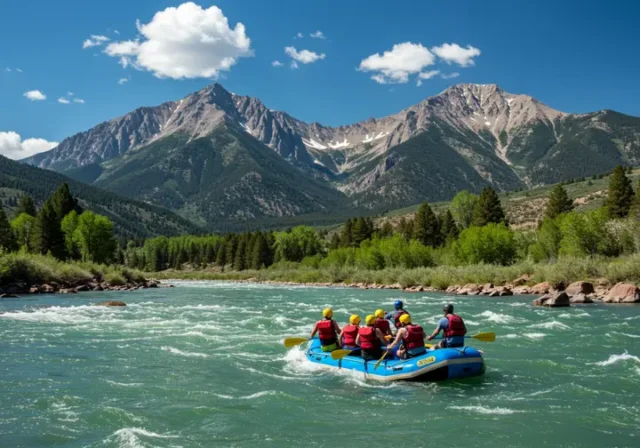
<point>576,56</point>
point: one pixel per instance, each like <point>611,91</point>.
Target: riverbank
<point>22,274</point>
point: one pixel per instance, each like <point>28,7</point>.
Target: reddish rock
<point>506,292</point>
<point>34,290</point>
<point>523,279</point>
<point>67,291</point>
<point>111,303</point>
<point>47,289</point>
<point>494,293</point>
<point>82,288</point>
<point>522,290</point>
<point>541,288</point>
<point>470,289</point>
<point>580,288</point>
<point>580,298</point>
<point>623,293</point>
<point>560,299</point>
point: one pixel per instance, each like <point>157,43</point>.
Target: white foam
<point>618,358</point>
<point>499,318</point>
<point>247,397</point>
<point>130,437</point>
<point>179,352</point>
<point>534,335</point>
<point>115,383</point>
<point>485,410</point>
<point>551,325</point>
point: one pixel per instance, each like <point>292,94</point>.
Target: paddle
<point>341,353</point>
<point>292,342</point>
<point>484,337</point>
<point>380,360</point>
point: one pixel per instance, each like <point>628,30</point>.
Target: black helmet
<point>448,308</point>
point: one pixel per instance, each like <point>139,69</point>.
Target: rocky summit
<point>219,158</point>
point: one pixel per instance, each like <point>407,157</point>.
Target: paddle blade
<point>380,360</point>
<point>339,354</point>
<point>485,337</point>
<point>292,342</point>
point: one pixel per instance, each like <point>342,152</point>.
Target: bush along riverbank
<point>23,273</point>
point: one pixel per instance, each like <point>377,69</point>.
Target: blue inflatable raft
<point>434,365</point>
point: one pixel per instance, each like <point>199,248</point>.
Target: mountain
<point>467,137</point>
<point>132,219</point>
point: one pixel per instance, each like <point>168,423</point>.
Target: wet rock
<point>523,279</point>
<point>580,298</point>
<point>82,288</point>
<point>522,290</point>
<point>623,293</point>
<point>47,289</point>
<point>7,295</point>
<point>505,292</point>
<point>557,300</point>
<point>580,288</point>
<point>470,289</point>
<point>34,290</point>
<point>67,291</point>
<point>111,303</point>
<point>494,293</point>
<point>541,288</point>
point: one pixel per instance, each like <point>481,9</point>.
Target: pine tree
<point>232,245</point>
<point>620,195</point>
<point>346,236</point>
<point>221,256</point>
<point>26,205</point>
<point>360,231</point>
<point>46,235</point>
<point>260,252</point>
<point>7,237</point>
<point>239,261</point>
<point>386,230</point>
<point>448,227</point>
<point>559,202</point>
<point>426,226</point>
<point>488,209</point>
<point>335,241</point>
<point>63,203</point>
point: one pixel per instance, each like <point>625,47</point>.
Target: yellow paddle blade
<point>485,337</point>
<point>380,360</point>
<point>292,342</point>
<point>429,346</point>
<point>339,354</point>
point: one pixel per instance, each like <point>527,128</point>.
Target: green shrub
<point>491,244</point>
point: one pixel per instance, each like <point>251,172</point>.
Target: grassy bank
<point>32,269</point>
<point>566,270</point>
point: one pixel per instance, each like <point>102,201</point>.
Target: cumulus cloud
<point>294,64</point>
<point>122,81</point>
<point>13,147</point>
<point>34,95</point>
<point>277,64</point>
<point>298,36</point>
<point>303,56</point>
<point>450,75</point>
<point>95,41</point>
<point>78,100</point>
<point>63,101</point>
<point>317,35</point>
<point>395,66</point>
<point>426,75</point>
<point>454,53</point>
<point>184,42</point>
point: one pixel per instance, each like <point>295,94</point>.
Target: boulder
<point>111,303</point>
<point>623,293</point>
<point>557,300</point>
<point>34,290</point>
<point>82,288</point>
<point>580,298</point>
<point>47,289</point>
<point>523,279</point>
<point>522,290</point>
<point>505,292</point>
<point>494,293</point>
<point>470,289</point>
<point>67,291</point>
<point>152,284</point>
<point>541,288</point>
<point>580,288</point>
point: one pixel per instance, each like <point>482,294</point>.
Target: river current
<point>203,365</point>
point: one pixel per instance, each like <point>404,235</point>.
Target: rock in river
<point>560,299</point>
<point>111,303</point>
<point>623,293</point>
<point>580,288</point>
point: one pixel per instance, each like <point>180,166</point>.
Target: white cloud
<point>318,35</point>
<point>428,75</point>
<point>298,36</point>
<point>13,147</point>
<point>95,41</point>
<point>277,64</point>
<point>63,101</point>
<point>304,56</point>
<point>116,32</point>
<point>294,64</point>
<point>7,70</point>
<point>122,81</point>
<point>395,66</point>
<point>35,95</point>
<point>184,42</point>
<point>454,53</point>
<point>19,70</point>
<point>69,93</point>
<point>450,75</point>
<point>78,100</point>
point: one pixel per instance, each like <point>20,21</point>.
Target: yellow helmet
<point>405,319</point>
<point>370,320</point>
<point>327,312</point>
<point>354,319</point>
<point>379,314</point>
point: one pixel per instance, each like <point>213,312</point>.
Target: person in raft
<point>328,331</point>
<point>395,315</point>
<point>453,327</point>
<point>383,324</point>
<point>370,339</point>
<point>349,333</point>
<point>412,338</point>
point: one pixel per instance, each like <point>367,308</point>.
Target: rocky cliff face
<point>468,136</point>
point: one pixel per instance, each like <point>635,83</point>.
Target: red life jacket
<point>326,332</point>
<point>368,338</point>
<point>413,338</point>
<point>456,326</point>
<point>383,325</point>
<point>349,334</point>
<point>396,318</point>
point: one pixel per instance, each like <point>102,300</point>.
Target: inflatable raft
<point>434,365</point>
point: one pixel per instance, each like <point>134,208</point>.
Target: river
<point>203,365</point>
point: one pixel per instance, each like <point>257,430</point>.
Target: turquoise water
<point>202,365</point>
